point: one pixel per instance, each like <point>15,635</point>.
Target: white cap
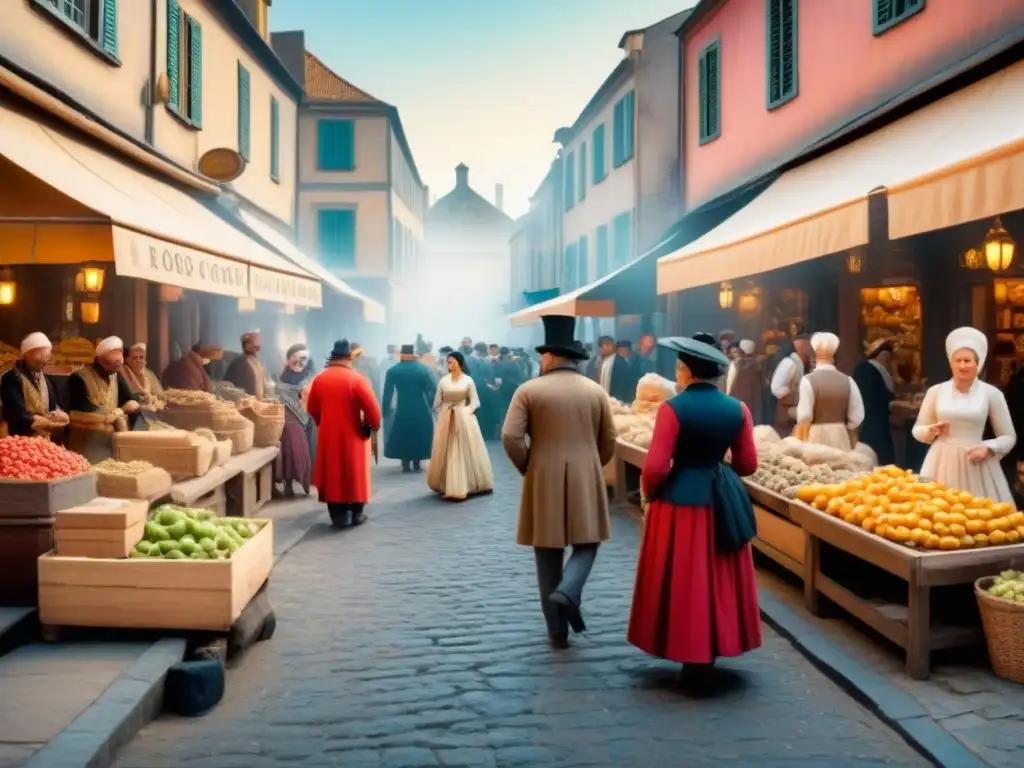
<point>35,340</point>
<point>825,344</point>
<point>748,347</point>
<point>967,338</point>
<point>109,344</point>
<point>249,334</point>
<point>138,345</point>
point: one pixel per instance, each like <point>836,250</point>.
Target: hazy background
<point>484,82</point>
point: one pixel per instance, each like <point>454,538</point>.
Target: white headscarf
<point>35,340</point>
<point>109,344</point>
<point>748,347</point>
<point>825,344</point>
<point>967,338</point>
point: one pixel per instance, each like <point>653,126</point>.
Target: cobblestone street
<point>417,640</point>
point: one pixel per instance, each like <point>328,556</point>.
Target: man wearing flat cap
<point>27,396</point>
<point>410,385</point>
<point>247,372</point>
<point>100,402</point>
<point>874,379</point>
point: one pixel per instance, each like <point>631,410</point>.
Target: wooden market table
<point>251,487</point>
<point>626,455</point>
<point>778,537</point>
<point>909,626</point>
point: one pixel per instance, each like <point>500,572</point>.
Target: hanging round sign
<point>221,164</point>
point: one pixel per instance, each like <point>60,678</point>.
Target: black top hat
<point>341,349</point>
<point>558,338</point>
<point>408,349</point>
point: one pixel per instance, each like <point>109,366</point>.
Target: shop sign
<point>149,258</point>
<point>221,164</point>
<point>266,285</point>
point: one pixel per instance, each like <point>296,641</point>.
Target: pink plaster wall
<point>844,71</point>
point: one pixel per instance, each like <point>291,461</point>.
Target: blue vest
<point>709,423</point>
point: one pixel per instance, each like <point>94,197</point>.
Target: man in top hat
<point>100,402</point>
<point>611,371</point>
<point>342,404</point>
<point>873,378</point>
<point>246,372</point>
<point>830,409</point>
<point>785,383</point>
<point>411,387</point>
<point>27,396</point>
<point>559,433</point>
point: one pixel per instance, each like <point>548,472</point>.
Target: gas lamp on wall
<point>8,287</point>
<point>999,247</point>
<point>90,279</point>
<point>725,295</point>
<point>855,261</point>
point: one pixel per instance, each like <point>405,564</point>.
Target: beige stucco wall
<point>372,226</point>
<point>607,199</point>
<point>222,51</point>
<point>43,46</point>
<point>371,145</point>
<point>410,220</point>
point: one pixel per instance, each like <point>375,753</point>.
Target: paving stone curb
<point>130,702</point>
<point>892,705</point>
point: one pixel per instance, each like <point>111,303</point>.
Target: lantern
<point>999,247</point>
<point>855,261</point>
<point>725,295</point>
<point>90,279</point>
<point>8,287</point>
<point>972,258</point>
<point>90,312</point>
<point>247,304</point>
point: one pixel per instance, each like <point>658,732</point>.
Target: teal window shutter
<point>629,125</point>
<point>195,74</point>
<point>336,145</point>
<point>570,266</point>
<point>886,14</point>
<point>173,53</point>
<point>583,172</point>
<point>583,260</point>
<point>275,139</point>
<point>782,69</point>
<point>243,112</point>
<point>598,143</point>
<point>709,92</point>
<point>603,263</point>
<point>570,181</point>
<point>623,238</point>
<point>336,234</point>
<point>618,134</point>
<point>108,40</point>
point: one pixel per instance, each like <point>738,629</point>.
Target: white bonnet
<point>748,347</point>
<point>109,344</point>
<point>825,343</point>
<point>967,338</point>
<point>35,340</point>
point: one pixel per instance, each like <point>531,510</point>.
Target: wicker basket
<point>1003,622</point>
<point>269,421</point>
<point>153,483</point>
<point>241,438</point>
<point>181,462</point>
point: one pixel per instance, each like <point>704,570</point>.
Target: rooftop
<point>324,84</point>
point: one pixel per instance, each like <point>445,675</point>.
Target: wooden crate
<point>104,543</point>
<point>23,498</point>
<point>151,593</point>
<point>250,491</point>
<point>22,541</point>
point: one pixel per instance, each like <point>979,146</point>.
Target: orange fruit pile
<point>897,505</point>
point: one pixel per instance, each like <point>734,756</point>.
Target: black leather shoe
<point>358,518</point>
<point>572,611</point>
<point>558,640</point>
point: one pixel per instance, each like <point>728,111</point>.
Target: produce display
<point>619,408</point>
<point>786,475</point>
<point>183,533</point>
<point>651,391</point>
<point>635,428</point>
<point>189,397</point>
<point>1008,585</point>
<point>38,459</point>
<point>899,506</point>
<point>125,468</point>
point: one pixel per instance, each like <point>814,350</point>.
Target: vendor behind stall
<point>140,380</point>
<point>743,378</point>
<point>100,402</point>
<point>830,408</point>
<point>27,395</point>
<point>785,383</point>
<point>247,372</point>
<point>874,380</point>
<point>189,372</point>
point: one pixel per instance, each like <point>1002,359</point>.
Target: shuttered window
<point>599,154</point>
<point>95,20</point>
<point>622,232</point>
<point>623,129</point>
<point>336,145</point>
<point>583,172</point>
<point>244,89</point>
<point>583,262</point>
<point>275,139</point>
<point>709,92</point>
<point>781,26</point>
<point>174,54</point>
<point>336,235</point>
<point>570,266</point>
<point>603,265</point>
<point>570,181</point>
<point>886,14</point>
<point>184,65</point>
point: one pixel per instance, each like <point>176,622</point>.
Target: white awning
<point>959,159</point>
<point>160,232</point>
<point>373,311</point>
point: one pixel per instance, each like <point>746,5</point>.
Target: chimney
<point>499,197</point>
<point>290,48</point>
<point>461,176</point>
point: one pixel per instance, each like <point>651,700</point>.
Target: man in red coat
<point>342,403</point>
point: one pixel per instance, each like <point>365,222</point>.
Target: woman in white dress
<point>953,418</point>
<point>459,464</point>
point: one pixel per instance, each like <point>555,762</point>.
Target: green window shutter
<point>275,139</point>
<point>583,172</point>
<point>336,235</point>
<point>323,147</point>
<point>173,53</point>
<point>782,69</point>
<point>570,266</point>
<point>618,126</point>
<point>196,73</point>
<point>886,14</point>
<point>336,145</point>
<point>570,181</point>
<point>598,142</point>
<point>108,39</point>
<point>709,91</point>
<point>603,265</point>
<point>583,260</point>
<point>628,125</point>
<point>623,238</point>
<point>244,97</point>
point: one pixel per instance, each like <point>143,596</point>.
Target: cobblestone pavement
<point>416,640</point>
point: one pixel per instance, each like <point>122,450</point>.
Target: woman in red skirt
<point>694,601</point>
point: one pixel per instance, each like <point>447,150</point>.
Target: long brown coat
<point>559,433</point>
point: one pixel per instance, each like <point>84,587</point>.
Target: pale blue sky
<point>484,82</point>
